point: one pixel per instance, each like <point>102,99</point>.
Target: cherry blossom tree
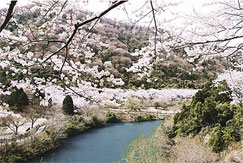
<point>60,37</point>
<point>216,33</point>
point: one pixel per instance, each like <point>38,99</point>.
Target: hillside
<point>109,54</point>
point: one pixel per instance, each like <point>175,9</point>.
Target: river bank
<point>31,146</point>
<point>104,144</point>
<point>56,127</point>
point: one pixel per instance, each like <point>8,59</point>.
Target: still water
<point>106,144</point>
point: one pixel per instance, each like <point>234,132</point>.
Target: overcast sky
<point>183,8</point>
<point>98,5</point>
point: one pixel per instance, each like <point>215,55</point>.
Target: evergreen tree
<point>210,111</point>
<point>67,105</point>
<point>18,99</point>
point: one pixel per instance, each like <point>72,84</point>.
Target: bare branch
<point>141,7</point>
<point>55,2</point>
<point>65,59</point>
<point>13,123</point>
<point>215,41</point>
<point>63,6</point>
<point>155,26</point>
<point>9,14</point>
<point>141,18</point>
<point>90,29</point>
<point>31,31</point>
<point>125,10</point>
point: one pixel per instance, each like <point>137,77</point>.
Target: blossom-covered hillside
<point>102,54</point>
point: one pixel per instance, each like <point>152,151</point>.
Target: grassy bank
<point>159,148</point>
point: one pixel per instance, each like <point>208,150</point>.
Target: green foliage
<point>67,105</point>
<point>72,128</point>
<point>4,79</point>
<point>144,117</point>
<point>210,108</point>
<point>18,99</point>
<point>112,118</point>
<point>131,43</point>
<point>165,74</point>
<point>173,76</point>
<point>216,140</point>
<point>107,56</point>
<point>171,132</point>
<point>95,122</point>
<point>238,118</point>
<point>219,92</point>
<point>225,113</point>
<point>28,149</point>
<point>46,73</point>
<point>152,149</point>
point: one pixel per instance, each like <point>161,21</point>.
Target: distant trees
<point>67,105</point>
<point>18,99</point>
<point>55,40</point>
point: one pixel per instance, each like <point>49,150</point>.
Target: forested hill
<point>105,53</point>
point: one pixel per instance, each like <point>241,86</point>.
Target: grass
<point>158,148</point>
<point>151,149</point>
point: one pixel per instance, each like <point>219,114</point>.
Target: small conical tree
<point>67,105</point>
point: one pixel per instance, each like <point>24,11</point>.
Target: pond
<point>106,144</point>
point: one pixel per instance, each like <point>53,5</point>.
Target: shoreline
<point>50,140</point>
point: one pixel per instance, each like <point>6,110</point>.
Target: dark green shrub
<point>18,99</point>
<point>112,118</point>
<point>67,105</point>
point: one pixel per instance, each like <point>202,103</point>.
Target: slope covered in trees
<point>105,54</point>
<point>211,112</point>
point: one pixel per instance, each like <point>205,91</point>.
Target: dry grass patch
<point>191,150</point>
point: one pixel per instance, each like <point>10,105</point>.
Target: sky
<point>188,3</point>
<point>5,3</point>
<point>186,6</point>
<point>183,9</point>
